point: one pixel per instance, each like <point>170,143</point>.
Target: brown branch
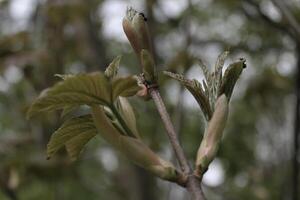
<point>193,183</point>
<point>170,130</point>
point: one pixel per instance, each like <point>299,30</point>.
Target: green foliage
<point>113,68</point>
<point>231,75</point>
<point>127,112</point>
<point>87,89</point>
<point>213,97</point>
<point>112,117</point>
<point>74,134</point>
<point>196,90</point>
<point>124,86</point>
<point>82,89</point>
<point>148,66</point>
<point>214,84</point>
<point>136,30</point>
<point>133,148</point>
<point>212,136</point>
<point>68,38</point>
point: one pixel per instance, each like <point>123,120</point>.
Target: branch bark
<point>193,183</point>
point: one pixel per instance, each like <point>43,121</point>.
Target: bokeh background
<point>258,156</point>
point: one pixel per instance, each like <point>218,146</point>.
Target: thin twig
<point>170,130</point>
<point>193,183</point>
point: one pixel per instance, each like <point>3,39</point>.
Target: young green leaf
<point>206,73</point>
<point>136,29</point>
<point>220,62</point>
<point>75,145</point>
<point>148,66</point>
<point>212,136</point>
<point>133,148</point>
<point>196,90</point>
<point>230,77</point>
<point>71,129</point>
<point>67,110</point>
<point>138,152</point>
<point>127,112</point>
<point>82,89</point>
<point>113,68</point>
<point>124,86</point>
<point>218,70</point>
<point>104,126</point>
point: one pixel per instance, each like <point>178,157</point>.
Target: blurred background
<point>258,156</point>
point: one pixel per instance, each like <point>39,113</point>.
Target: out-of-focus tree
<point>256,156</point>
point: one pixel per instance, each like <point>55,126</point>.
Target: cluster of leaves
<point>214,85</point>
<point>111,116</point>
<point>213,97</point>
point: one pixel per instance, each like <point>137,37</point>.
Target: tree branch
<point>170,130</point>
<point>193,183</point>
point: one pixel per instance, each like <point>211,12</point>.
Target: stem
<point>193,183</point>
<point>122,122</point>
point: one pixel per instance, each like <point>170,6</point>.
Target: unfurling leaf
<point>75,145</point>
<point>67,110</point>
<point>128,114</point>
<point>220,62</point>
<point>231,75</point>
<point>70,134</point>
<point>148,66</point>
<point>206,74</point>
<point>218,70</point>
<point>140,154</point>
<point>215,85</point>
<point>104,126</point>
<point>125,87</point>
<point>212,136</point>
<point>82,89</point>
<point>196,90</point>
<point>113,68</point>
<point>133,148</point>
<point>136,29</point>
